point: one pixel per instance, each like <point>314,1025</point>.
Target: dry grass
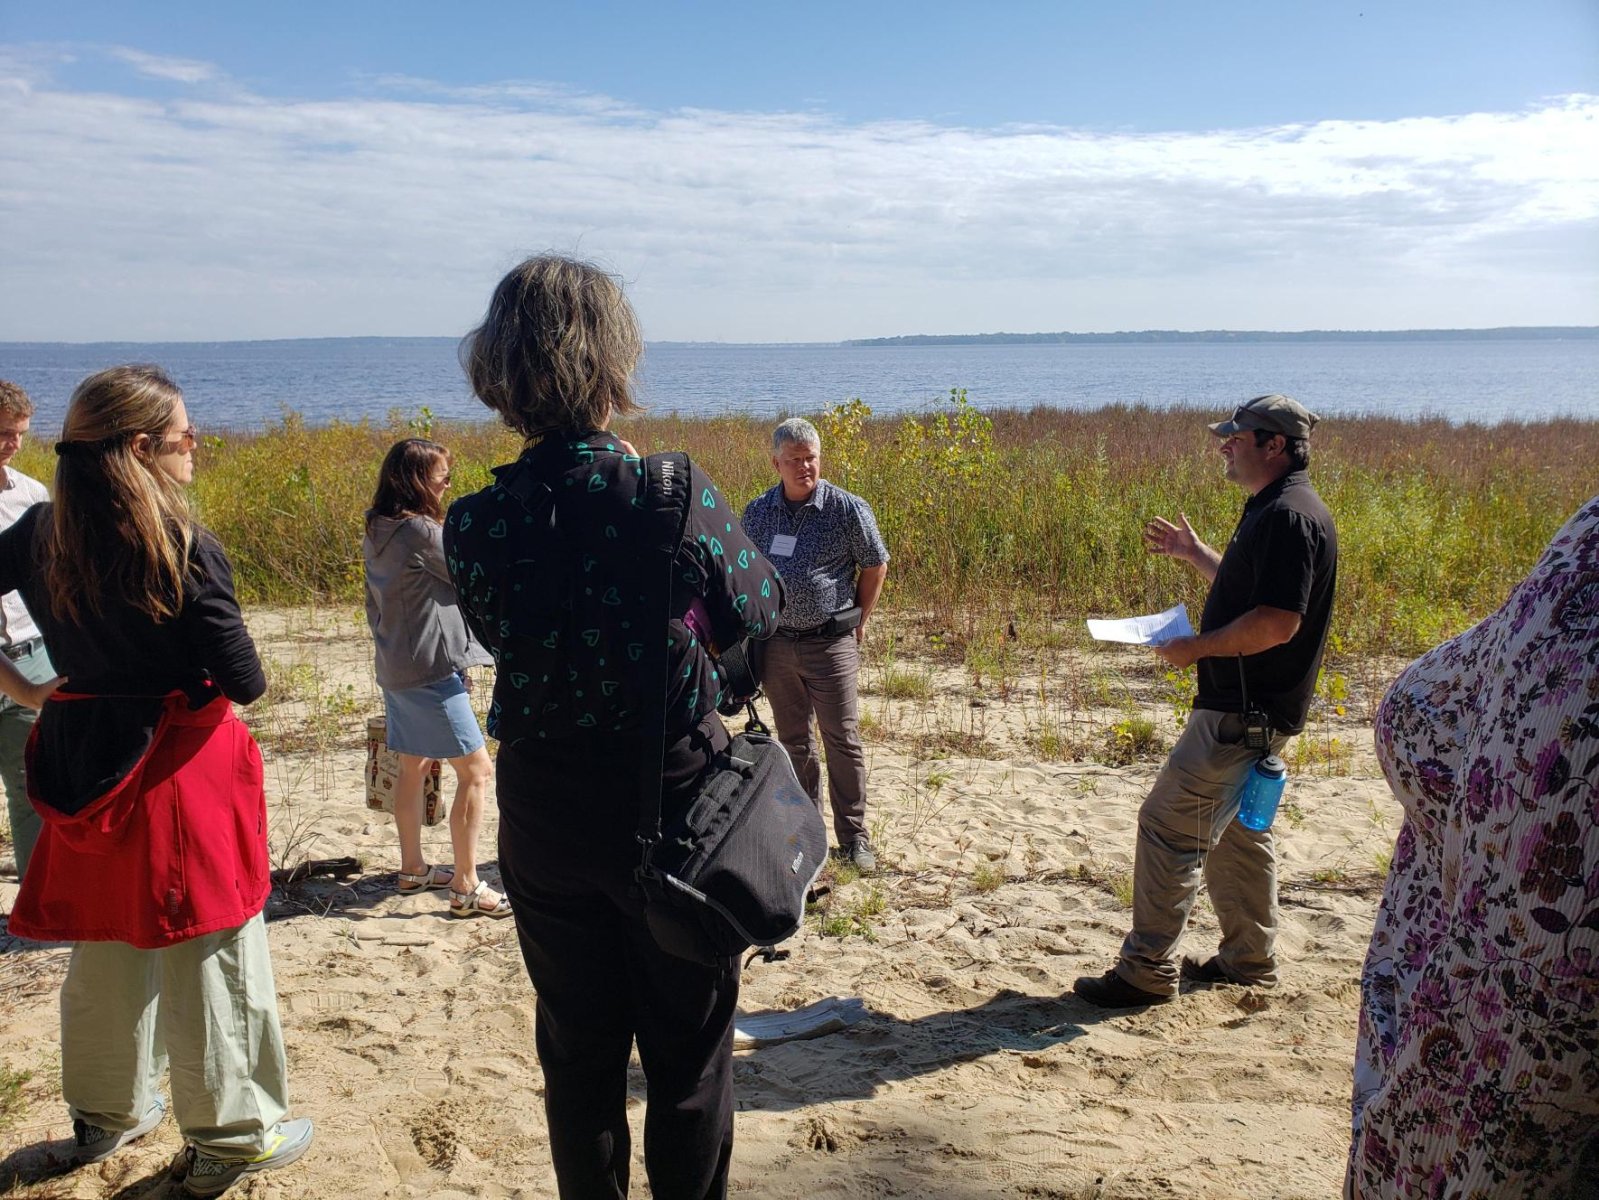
<point>1000,523</point>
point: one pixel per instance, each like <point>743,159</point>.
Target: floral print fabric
<point>1477,1065</point>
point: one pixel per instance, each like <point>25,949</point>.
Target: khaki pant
<point>803,676</point>
<point>208,1007</point>
<point>1186,826</point>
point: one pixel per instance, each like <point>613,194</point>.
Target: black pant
<point>567,856</point>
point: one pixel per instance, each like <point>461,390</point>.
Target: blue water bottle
<point>1263,788</point>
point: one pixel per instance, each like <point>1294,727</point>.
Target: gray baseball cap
<point>1274,413</point>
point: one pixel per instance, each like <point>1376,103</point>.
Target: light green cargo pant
<point>206,1010</point>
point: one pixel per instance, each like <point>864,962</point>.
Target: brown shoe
<point>1208,971</point>
<point>1110,990</point>
<point>1211,972</point>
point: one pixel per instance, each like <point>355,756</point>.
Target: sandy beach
<point>970,1072</point>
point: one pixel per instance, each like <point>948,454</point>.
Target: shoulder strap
<point>663,500</point>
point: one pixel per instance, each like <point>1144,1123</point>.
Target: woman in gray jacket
<point>423,650</point>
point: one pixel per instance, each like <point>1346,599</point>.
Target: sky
<point>798,172</point>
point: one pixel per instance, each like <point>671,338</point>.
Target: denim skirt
<point>432,721</point>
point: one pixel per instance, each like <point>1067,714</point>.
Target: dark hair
<point>404,481</point>
<point>556,349</point>
<point>119,526</point>
<point>1297,449</point>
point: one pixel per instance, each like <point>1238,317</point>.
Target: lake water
<point>247,384</point>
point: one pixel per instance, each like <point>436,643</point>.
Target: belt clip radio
<point>1257,725</point>
<point>1257,730</point>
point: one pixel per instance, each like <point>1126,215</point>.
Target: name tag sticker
<point>783,545</point>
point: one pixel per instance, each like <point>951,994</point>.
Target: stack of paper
<point>1153,630</point>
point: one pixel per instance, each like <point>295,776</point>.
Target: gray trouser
<point>16,723</point>
<point>1186,825</point>
<point>209,1005</point>
<point>803,676</point>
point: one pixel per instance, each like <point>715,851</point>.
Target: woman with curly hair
<point>550,561</point>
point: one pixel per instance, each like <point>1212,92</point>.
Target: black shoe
<point>1110,990</point>
<point>1208,971</point>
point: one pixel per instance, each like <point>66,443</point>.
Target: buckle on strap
<point>17,649</point>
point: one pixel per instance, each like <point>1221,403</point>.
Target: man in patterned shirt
<point>825,544</point>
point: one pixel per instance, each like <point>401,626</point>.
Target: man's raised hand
<point>1175,541</point>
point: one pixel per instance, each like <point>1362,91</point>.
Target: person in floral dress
<point>1477,1065</point>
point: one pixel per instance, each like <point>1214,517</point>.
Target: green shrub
<point>987,877</point>
<point>1035,513</point>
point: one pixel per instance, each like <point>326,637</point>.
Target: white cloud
<point>244,216</point>
<point>157,66</point>
<point>552,95</point>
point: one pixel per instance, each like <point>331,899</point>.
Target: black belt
<point>16,650</point>
<point>815,631</point>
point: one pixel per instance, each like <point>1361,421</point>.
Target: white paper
<point>783,545</point>
<point>814,1020</point>
<point>1153,630</point>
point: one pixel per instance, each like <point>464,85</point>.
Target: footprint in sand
<point>820,1134</point>
<point>435,1141</point>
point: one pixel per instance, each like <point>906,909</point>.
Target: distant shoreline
<point>1505,333</point>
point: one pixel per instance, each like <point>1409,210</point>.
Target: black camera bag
<point>732,871</point>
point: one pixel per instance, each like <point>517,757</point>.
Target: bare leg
<point>408,812</point>
<point>472,774</point>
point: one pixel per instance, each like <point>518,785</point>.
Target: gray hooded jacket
<point>411,606</point>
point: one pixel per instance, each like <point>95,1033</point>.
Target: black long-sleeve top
<point>550,561</point>
<point>125,662</point>
<point>122,651</point>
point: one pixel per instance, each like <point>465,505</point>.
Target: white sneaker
<point>92,1144</point>
<point>210,1176</point>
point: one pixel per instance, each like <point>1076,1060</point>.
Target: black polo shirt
<point>1284,554</point>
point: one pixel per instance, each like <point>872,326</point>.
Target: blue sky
<point>798,172</point>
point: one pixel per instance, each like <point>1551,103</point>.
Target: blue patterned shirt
<point>835,536</point>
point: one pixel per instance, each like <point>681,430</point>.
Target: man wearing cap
<point>1259,647</point>
<point>19,636</point>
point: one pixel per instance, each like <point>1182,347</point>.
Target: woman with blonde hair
<point>423,651</point>
<point>153,855</point>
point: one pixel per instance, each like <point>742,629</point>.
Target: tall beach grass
<point>1033,513</point>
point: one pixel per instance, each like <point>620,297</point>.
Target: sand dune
<point>972,1073</point>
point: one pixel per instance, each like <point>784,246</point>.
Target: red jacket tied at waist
<point>174,849</point>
